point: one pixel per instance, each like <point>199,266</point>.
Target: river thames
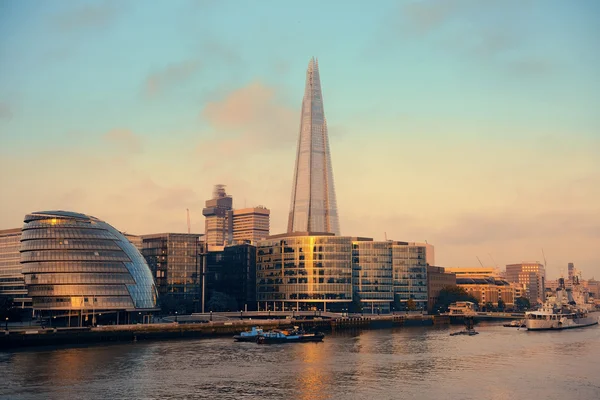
<point>409,363</point>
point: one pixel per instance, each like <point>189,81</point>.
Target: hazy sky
<point>474,125</point>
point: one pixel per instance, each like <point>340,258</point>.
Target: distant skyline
<point>473,125</point>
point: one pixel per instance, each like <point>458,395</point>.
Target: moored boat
<point>289,336</point>
<point>559,312</point>
<point>249,336</point>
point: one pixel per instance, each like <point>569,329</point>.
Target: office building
<point>219,218</point>
<point>533,276</point>
<point>438,278</point>
<point>231,272</point>
<point>410,262</point>
<point>313,205</point>
<point>76,263</point>
<point>175,260</point>
<point>372,275</point>
<point>302,271</point>
<point>12,282</point>
<point>250,224</point>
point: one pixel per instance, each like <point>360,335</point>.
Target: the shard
<point>313,207</point>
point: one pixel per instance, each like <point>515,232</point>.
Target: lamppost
<point>6,323</point>
<point>175,316</point>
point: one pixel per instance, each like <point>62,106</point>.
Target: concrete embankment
<point>131,333</point>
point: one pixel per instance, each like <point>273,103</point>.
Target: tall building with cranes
<point>219,217</point>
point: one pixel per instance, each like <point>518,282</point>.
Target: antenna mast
<point>188,221</point>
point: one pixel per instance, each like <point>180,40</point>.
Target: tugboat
<point>469,331</point>
<point>517,323</point>
<point>291,336</point>
<point>560,312</point>
<point>248,336</point>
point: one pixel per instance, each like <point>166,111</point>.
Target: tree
<point>8,309</point>
<point>522,304</point>
<point>221,302</point>
<point>411,305</point>
<point>356,306</point>
<point>501,305</point>
<point>449,295</point>
<point>489,306</point>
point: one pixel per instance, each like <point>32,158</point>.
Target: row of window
<point>68,233</point>
<point>78,290</point>
<point>79,278</point>
<point>56,267</point>
<point>62,244</point>
<point>59,255</point>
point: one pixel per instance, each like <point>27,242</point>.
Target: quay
<point>200,326</point>
<point>210,325</point>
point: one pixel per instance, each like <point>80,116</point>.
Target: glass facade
<point>304,271</point>
<point>372,275</point>
<point>176,264</point>
<point>232,271</point>
<point>72,261</point>
<point>410,274</point>
<point>313,205</point>
<point>11,279</point>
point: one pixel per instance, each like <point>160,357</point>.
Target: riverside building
<point>175,260</point>
<point>322,271</point>
<point>76,265</point>
<point>12,283</point>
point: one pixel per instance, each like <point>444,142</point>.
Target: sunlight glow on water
<point>420,363</point>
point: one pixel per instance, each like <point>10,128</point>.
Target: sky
<point>472,125</point>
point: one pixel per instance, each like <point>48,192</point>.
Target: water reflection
<point>500,363</point>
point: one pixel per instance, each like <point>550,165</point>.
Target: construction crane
<point>543,255</point>
<point>480,263</point>
<point>188,221</point>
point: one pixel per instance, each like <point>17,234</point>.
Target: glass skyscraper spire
<point>313,207</point>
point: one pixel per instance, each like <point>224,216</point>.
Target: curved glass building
<point>73,261</point>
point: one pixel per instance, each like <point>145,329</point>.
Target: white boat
<point>559,312</point>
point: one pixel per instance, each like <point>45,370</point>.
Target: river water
<point>401,363</point>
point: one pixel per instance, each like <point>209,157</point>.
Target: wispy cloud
<point>172,75</point>
<point>5,111</point>
<point>88,16</point>
<point>251,117</point>
<point>124,139</point>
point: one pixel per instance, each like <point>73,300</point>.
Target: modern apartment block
<point>175,260</point>
<point>532,275</point>
<point>12,282</point>
<point>250,224</point>
<point>218,215</point>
